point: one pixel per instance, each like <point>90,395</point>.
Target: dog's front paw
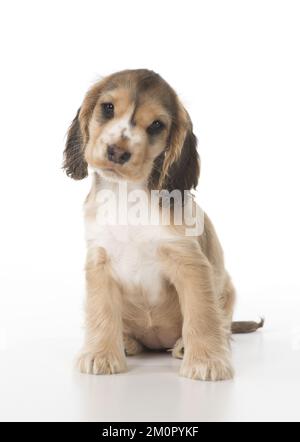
<point>97,363</point>
<point>207,369</point>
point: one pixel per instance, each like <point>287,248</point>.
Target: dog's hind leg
<point>178,349</point>
<point>132,346</point>
<point>227,301</point>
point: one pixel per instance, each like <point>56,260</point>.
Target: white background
<point>236,66</point>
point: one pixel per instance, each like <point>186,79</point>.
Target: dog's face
<point>127,131</point>
<point>131,126</point>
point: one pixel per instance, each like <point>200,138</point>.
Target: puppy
<point>149,284</point>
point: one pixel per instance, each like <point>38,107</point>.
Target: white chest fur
<point>132,250</point>
<point>133,258</point>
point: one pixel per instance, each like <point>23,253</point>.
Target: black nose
<point>117,155</point>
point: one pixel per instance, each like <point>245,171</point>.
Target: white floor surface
<point>37,383</point>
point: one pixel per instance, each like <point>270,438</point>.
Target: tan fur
<point>103,349</point>
<point>193,315</point>
<point>148,110</point>
<point>205,330</point>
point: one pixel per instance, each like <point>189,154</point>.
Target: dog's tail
<point>246,326</point>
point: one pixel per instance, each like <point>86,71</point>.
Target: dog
<point>148,286</point>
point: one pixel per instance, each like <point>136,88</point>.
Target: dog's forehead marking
<point>122,128</point>
<point>135,109</point>
<point>124,122</point>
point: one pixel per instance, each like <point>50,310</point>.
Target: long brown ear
<point>179,165</point>
<point>74,163</point>
<point>184,172</point>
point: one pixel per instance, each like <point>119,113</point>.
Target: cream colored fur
<point>154,287</point>
<point>147,286</point>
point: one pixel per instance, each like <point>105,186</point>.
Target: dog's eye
<point>155,128</point>
<point>108,110</point>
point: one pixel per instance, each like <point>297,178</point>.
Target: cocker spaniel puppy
<point>151,284</point>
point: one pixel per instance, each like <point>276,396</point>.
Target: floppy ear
<point>179,165</point>
<point>74,163</point>
<point>183,173</point>
<point>78,136</point>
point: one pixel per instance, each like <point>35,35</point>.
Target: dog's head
<point>131,126</point>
